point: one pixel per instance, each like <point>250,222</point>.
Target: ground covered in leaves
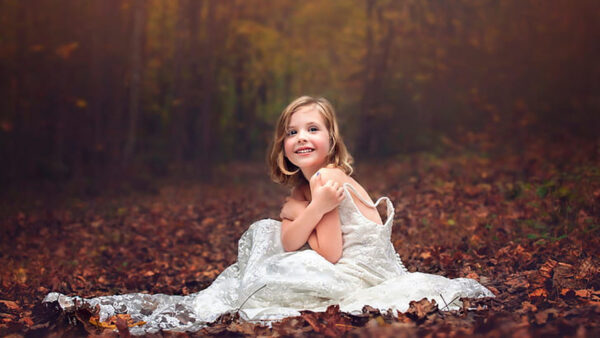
<point>525,223</point>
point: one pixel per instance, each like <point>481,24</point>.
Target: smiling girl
<point>308,148</point>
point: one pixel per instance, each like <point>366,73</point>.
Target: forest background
<point>133,137</point>
<point>94,90</point>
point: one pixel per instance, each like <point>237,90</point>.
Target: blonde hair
<point>282,170</point>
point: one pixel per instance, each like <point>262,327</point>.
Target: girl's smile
<point>304,150</point>
<point>307,140</point>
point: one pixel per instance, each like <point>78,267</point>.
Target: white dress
<point>267,283</point>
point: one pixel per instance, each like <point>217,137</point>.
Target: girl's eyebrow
<point>306,124</point>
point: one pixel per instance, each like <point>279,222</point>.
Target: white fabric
<point>267,283</point>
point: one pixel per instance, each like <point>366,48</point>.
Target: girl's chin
<point>309,165</point>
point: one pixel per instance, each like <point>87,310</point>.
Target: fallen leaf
<point>418,310</point>
<point>539,293</point>
<point>583,293</point>
<point>11,304</point>
<point>27,321</point>
<point>111,323</point>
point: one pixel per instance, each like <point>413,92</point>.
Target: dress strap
<point>389,205</point>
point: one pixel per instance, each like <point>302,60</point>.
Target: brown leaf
<point>546,269</point>
<point>27,321</point>
<point>312,320</point>
<point>336,322</point>
<point>587,269</point>
<point>10,304</point>
<point>566,292</point>
<point>421,309</point>
<point>528,307</point>
<point>538,293</point>
<point>208,221</point>
<point>544,273</point>
<point>564,276</point>
<point>472,275</point>
<point>493,290</point>
<point>367,309</point>
<point>243,328</point>
<point>215,329</point>
<point>517,282</point>
<point>111,323</point>
<point>586,293</point>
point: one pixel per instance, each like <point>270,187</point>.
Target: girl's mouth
<point>304,151</point>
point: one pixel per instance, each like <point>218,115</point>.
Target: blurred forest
<point>118,119</point>
<point>93,89</point>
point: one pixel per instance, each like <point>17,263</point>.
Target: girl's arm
<point>327,237</point>
<point>326,240</point>
<point>325,197</point>
<point>294,205</point>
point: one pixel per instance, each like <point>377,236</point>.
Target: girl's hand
<point>292,208</point>
<point>325,196</point>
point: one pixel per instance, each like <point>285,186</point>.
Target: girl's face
<point>307,140</point>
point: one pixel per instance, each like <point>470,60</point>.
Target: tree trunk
<point>97,76</point>
<point>180,85</point>
<point>19,159</point>
<point>366,104</point>
<point>208,83</point>
<point>136,74</point>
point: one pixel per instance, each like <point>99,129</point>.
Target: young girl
<point>331,246</point>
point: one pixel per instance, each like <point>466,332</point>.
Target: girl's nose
<point>302,136</point>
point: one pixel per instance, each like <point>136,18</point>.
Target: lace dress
<point>267,283</point>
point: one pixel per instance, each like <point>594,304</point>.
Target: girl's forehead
<point>306,114</point>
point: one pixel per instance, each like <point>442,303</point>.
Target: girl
<point>308,147</point>
<point>331,246</point>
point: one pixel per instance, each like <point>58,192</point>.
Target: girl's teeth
<point>304,151</point>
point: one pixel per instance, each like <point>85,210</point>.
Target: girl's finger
<point>316,178</point>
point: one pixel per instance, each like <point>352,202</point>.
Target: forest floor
<point>525,223</point>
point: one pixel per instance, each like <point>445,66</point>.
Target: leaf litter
<point>525,225</point>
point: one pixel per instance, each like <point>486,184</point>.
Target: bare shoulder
<point>359,189</point>
<point>335,174</point>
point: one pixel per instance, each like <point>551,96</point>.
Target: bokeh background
<point>133,137</point>
<point>99,90</point>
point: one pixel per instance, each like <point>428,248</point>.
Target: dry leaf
<point>10,304</point>
<point>419,310</point>
<point>539,293</point>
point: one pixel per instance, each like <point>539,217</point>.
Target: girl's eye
<point>291,132</point>
<point>313,129</point>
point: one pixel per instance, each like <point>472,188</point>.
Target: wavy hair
<point>285,172</point>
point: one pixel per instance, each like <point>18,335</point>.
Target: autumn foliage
<point>524,223</point>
